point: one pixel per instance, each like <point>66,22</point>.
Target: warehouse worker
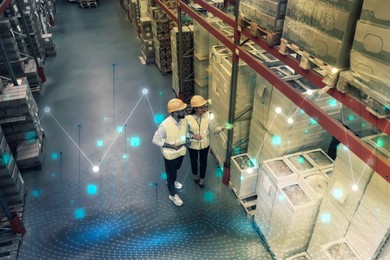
<point>171,136</point>
<point>200,126</point>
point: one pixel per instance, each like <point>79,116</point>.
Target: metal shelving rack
<point>375,160</point>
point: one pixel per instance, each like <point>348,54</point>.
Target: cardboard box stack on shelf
<point>146,37</point>
<point>321,32</point>
<point>186,91</point>
<point>50,47</point>
<point>201,60</point>
<point>265,18</point>
<point>11,182</point>
<point>243,176</point>
<point>370,58</point>
<point>20,124</point>
<point>271,134</point>
<point>161,30</point>
<point>354,216</point>
<point>219,92</point>
<point>35,31</point>
<point>289,193</point>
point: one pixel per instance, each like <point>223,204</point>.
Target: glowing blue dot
<point>124,156</point>
<point>332,102</point>
<point>351,117</point>
<point>150,184</point>
<point>276,140</point>
<point>281,197</point>
<point>380,143</point>
<point>53,175</point>
<point>135,141</point>
<point>99,143</point>
<point>35,193</point>
<point>301,160</point>
<point>30,135</point>
<point>345,148</point>
<point>158,118</point>
<point>79,213</point>
<point>306,131</point>
<point>325,217</point>
<point>145,91</point>
<point>71,202</point>
<point>54,156</point>
<point>163,176</point>
<point>219,172</point>
<point>208,197</point>
<point>338,193</point>
<point>313,121</point>
<point>364,125</point>
<point>47,109</point>
<point>161,93</point>
<point>91,189</point>
<point>119,129</point>
<point>301,111</point>
<point>6,158</point>
<point>242,178</point>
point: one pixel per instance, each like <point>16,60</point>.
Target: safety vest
<point>176,135</point>
<point>199,129</point>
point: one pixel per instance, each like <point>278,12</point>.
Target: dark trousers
<point>171,167</point>
<point>202,155</point>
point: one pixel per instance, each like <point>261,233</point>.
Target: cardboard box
<point>376,11</point>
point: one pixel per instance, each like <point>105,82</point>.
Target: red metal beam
<point>4,5</point>
<point>167,10</point>
<point>376,161</point>
<point>346,99</point>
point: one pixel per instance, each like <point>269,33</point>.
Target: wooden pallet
<point>307,61</point>
<point>376,103</point>
<point>248,202</point>
<point>272,38</point>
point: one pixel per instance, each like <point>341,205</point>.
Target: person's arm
<point>159,139</point>
<point>213,128</point>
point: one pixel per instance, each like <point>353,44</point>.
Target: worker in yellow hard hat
<point>171,136</point>
<point>200,126</point>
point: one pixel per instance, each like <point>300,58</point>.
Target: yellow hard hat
<point>198,101</point>
<point>176,104</point>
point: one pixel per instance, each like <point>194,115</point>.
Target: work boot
<point>201,183</point>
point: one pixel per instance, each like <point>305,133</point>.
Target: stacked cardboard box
<point>243,175</point>
<point>219,92</point>
<point>187,90</point>
<point>370,55</point>
<point>322,28</point>
<point>146,37</point>
<point>20,124</point>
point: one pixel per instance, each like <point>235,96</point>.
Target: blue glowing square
<point>124,156</point>
<point>6,158</point>
<point>301,160</point>
<point>325,217</point>
<point>99,143</point>
<point>163,176</point>
<point>313,121</point>
<point>242,178</point>
<point>380,143</point>
<point>158,118</point>
<point>208,197</point>
<point>306,131</point>
<point>276,140</point>
<point>351,117</point>
<point>30,135</point>
<point>91,189</point>
<point>54,156</point>
<point>53,174</point>
<point>332,102</point>
<point>219,172</point>
<point>338,193</point>
<point>119,129</point>
<point>35,193</point>
<point>281,197</point>
<point>135,141</point>
<point>79,213</point>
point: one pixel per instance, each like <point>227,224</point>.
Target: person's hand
<point>197,137</point>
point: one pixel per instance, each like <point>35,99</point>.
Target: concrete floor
<point>123,211</point>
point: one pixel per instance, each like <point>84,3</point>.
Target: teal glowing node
<point>79,213</point>
<point>313,121</point>
<point>99,143</point>
<point>54,156</point>
<point>325,218</point>
<point>306,131</point>
<point>35,193</point>
<point>71,202</point>
<point>119,129</point>
<point>363,125</point>
<point>338,193</point>
<point>6,158</point>
<point>158,118</point>
<point>242,178</point>
<point>380,143</point>
<point>276,140</point>
<point>345,148</point>
<point>208,197</point>
<point>351,117</point>
<point>30,135</point>
<point>53,175</point>
<point>281,197</point>
<point>150,184</point>
<point>135,141</point>
<point>301,160</point>
<point>91,189</point>
<point>163,176</point>
<point>332,102</point>
<point>219,172</point>
<point>124,156</point>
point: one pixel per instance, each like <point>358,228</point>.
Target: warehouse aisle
<point>95,85</point>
